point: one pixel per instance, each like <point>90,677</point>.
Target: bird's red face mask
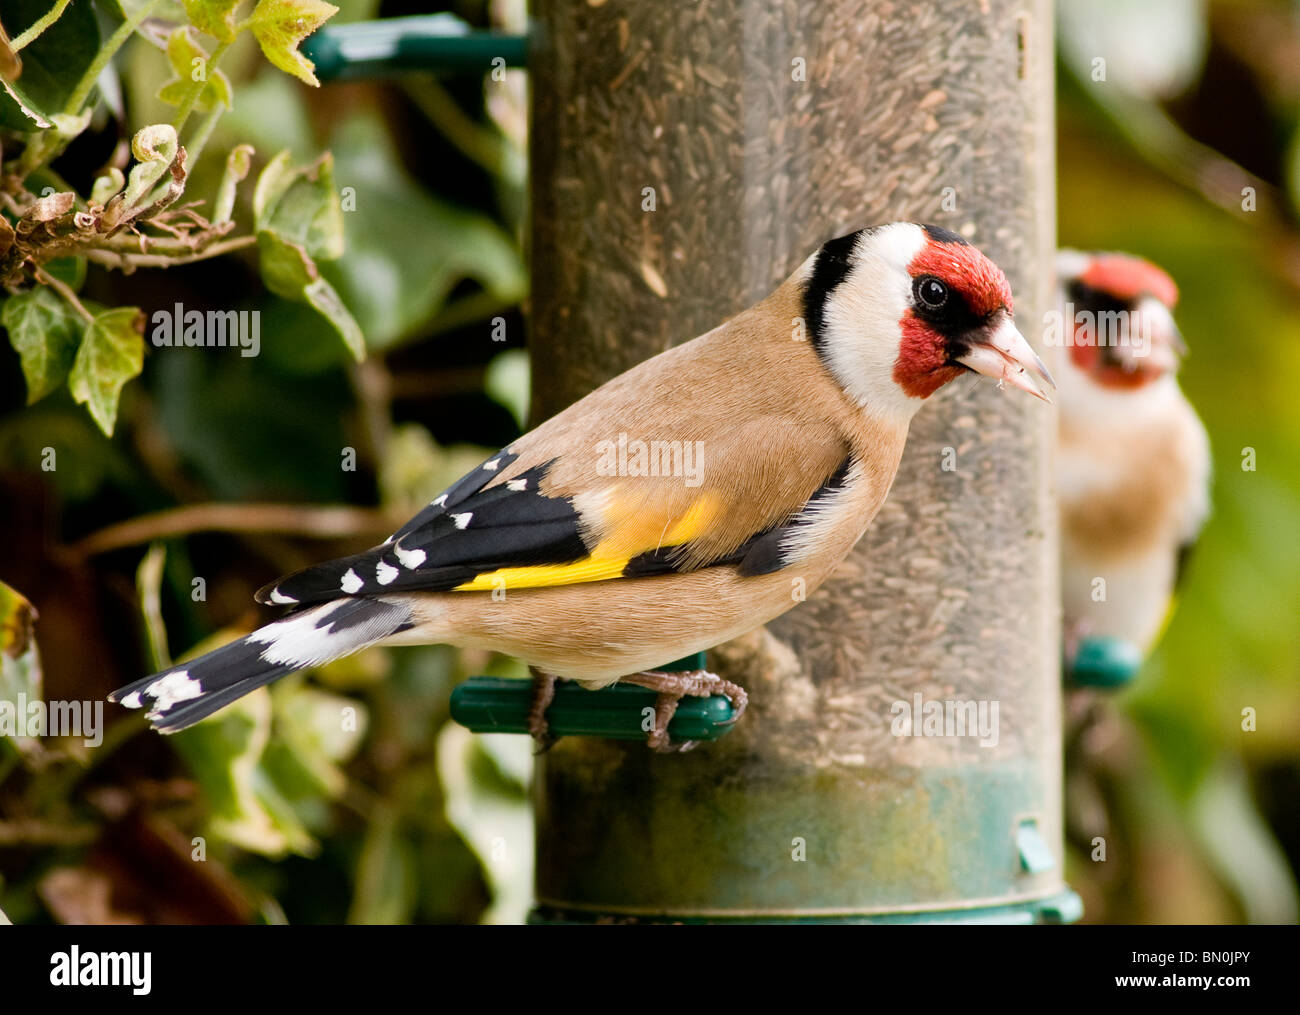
<point>1123,333</point>
<point>959,320</point>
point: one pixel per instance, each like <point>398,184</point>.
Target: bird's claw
<point>671,688</point>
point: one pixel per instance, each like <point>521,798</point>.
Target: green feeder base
<point>1058,908</point>
<point>435,42</point>
<point>1105,663</point>
<point>501,705</point>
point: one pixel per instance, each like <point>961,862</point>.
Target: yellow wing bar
<point>636,533</point>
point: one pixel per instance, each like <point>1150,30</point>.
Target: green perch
<point>501,704</point>
<point>438,42</point>
<point>1107,663</point>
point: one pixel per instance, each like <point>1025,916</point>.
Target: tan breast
<point>1144,483</point>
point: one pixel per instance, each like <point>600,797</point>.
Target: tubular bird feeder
<point>683,162</point>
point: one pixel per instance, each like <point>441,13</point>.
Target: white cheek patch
<point>861,321</point>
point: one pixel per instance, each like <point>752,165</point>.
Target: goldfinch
<point>677,506</point>
<point>1133,459</point>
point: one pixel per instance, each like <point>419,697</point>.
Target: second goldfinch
<point>1133,459</point>
<point>673,508</point>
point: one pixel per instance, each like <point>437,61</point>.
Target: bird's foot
<point>538,728</point>
<point>671,688</point>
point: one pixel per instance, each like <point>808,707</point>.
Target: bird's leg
<point>1074,635</point>
<point>672,687</point>
<point>543,695</point>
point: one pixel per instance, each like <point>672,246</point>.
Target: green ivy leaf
<point>387,883</point>
<point>110,355</point>
<point>311,741</point>
<point>18,111</point>
<point>281,25</point>
<point>289,271</point>
<point>216,17</point>
<point>44,330</point>
<point>183,50</point>
<point>325,298</point>
<point>225,754</point>
<point>272,182</point>
<point>508,382</point>
<point>71,270</point>
<point>299,219</point>
<point>395,290</point>
<point>52,64</point>
<point>302,206</point>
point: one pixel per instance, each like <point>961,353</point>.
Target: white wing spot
<point>280,599</point>
<point>463,520</point>
<point>351,582</point>
<point>132,700</point>
<point>172,690</point>
<point>492,465</point>
<point>385,573</point>
<point>439,501</point>
<point>517,484</point>
<point>410,559</point>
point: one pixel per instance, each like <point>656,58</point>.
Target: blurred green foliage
<point>337,795</point>
<point>1183,154</point>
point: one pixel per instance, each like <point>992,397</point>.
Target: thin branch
<point>39,25</point>
<point>128,261</point>
<point>64,290</point>
<point>201,136</point>
<point>1158,139</point>
<point>196,89</point>
<point>300,520</point>
<point>39,832</point>
<point>134,242</point>
<point>372,384</point>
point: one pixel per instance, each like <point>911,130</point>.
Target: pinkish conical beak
<point>1005,356</point>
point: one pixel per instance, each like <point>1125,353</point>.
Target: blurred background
<point>1187,152</point>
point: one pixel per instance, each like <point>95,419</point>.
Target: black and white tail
<point>184,694</point>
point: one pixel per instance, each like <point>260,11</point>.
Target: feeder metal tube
<point>685,158</point>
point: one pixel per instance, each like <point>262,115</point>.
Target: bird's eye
<point>930,292</point>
